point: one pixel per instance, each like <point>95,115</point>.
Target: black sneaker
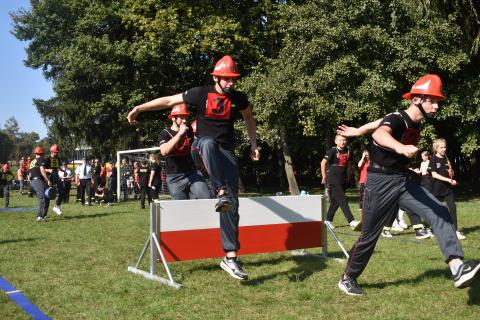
<point>422,234</point>
<point>350,286</point>
<point>467,274</point>
<point>234,267</point>
<point>224,203</point>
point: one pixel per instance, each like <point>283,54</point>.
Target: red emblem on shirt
<point>218,106</point>
<point>411,136</point>
<point>343,159</point>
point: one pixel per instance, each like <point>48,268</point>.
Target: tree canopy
<point>307,66</point>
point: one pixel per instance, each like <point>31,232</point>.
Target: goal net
<point>126,187</point>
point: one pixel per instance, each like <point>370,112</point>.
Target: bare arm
<point>150,180</point>
<point>169,146</point>
<point>156,104</point>
<point>383,136</point>
<point>45,175</point>
<point>323,167</point>
<point>251,127</point>
<point>350,132</point>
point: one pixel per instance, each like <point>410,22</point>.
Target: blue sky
<point>19,85</point>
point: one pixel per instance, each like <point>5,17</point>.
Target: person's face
<point>442,149</point>
<point>179,120</point>
<point>341,142</point>
<point>424,157</point>
<point>227,82</point>
<point>53,154</point>
<point>430,104</point>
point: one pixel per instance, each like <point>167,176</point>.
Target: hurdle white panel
<point>189,229</point>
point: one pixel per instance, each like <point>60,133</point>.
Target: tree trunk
<point>292,182</point>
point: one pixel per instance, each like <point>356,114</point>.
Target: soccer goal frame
<point>119,153</point>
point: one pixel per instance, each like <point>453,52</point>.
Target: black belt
<point>376,168</point>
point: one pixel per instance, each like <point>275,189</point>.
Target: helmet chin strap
<point>225,90</point>
<point>427,116</point>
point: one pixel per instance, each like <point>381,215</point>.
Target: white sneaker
<point>57,210</point>
<point>402,224</point>
<point>396,226</point>
<point>460,236</point>
<point>39,219</point>
<point>355,225</point>
<point>430,233</point>
<point>386,234</point>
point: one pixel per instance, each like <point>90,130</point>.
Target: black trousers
<point>338,199</point>
<point>145,193</point>
<point>449,198</point>
<point>85,187</point>
<point>384,194</point>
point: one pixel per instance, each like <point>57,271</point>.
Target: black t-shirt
<point>405,131</point>
<point>216,113</point>
<point>143,175</point>
<point>440,166</point>
<point>157,174</point>
<point>52,163</point>
<point>35,165</point>
<point>113,174</point>
<point>338,163</point>
<point>97,171</point>
<point>180,159</point>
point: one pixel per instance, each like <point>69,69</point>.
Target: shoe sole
<point>358,227</point>
<point>469,278</point>
<point>422,237</point>
<point>230,272</point>
<point>342,287</point>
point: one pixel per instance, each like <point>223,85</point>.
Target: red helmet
<point>5,167</point>
<point>430,85</point>
<point>38,150</point>
<point>226,67</point>
<point>179,110</point>
<point>54,148</point>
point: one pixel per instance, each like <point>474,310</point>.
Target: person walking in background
<point>216,109</point>
<point>390,186</point>
<point>336,166</point>
<point>442,180</point>
<point>143,176</point>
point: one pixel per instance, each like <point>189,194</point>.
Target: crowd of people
<point>200,163</point>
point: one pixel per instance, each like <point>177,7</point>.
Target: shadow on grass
<point>473,291</point>
<point>470,229</point>
<point>88,216</point>
<point>306,266</point>
<point>18,240</point>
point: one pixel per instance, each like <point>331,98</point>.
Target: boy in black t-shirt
<point>336,168</point>
<point>183,179</point>
<point>216,108</point>
<point>39,182</point>
<point>442,180</point>
<point>390,186</point>
<point>155,179</point>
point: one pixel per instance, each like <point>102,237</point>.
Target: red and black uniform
<point>54,164</point>
<point>390,186</point>
<point>183,179</point>
<point>442,189</point>
<point>338,169</point>
<point>38,185</point>
<point>216,114</point>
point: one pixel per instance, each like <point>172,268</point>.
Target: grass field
<point>75,267</point>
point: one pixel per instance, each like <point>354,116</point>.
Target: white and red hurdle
<point>190,229</point>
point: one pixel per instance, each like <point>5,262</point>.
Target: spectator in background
<point>155,179</point>
<point>143,177</point>
<point>112,179</point>
<point>442,180</point>
<point>335,168</point>
<point>363,167</point>
<point>84,175</point>
<point>6,177</point>
<point>66,179</point>
<point>97,174</point>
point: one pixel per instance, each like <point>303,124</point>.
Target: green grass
<point>75,267</point>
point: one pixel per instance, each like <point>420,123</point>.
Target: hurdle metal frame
<point>157,254</point>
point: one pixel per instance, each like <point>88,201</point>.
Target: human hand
<point>347,131</point>
<point>132,116</point>
<point>183,127</point>
<point>453,182</point>
<point>255,155</point>
<point>408,151</point>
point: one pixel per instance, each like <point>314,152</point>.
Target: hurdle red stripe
<point>205,243</point>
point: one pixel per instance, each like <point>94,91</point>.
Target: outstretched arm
<point>350,132</point>
<point>251,127</point>
<point>156,104</point>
